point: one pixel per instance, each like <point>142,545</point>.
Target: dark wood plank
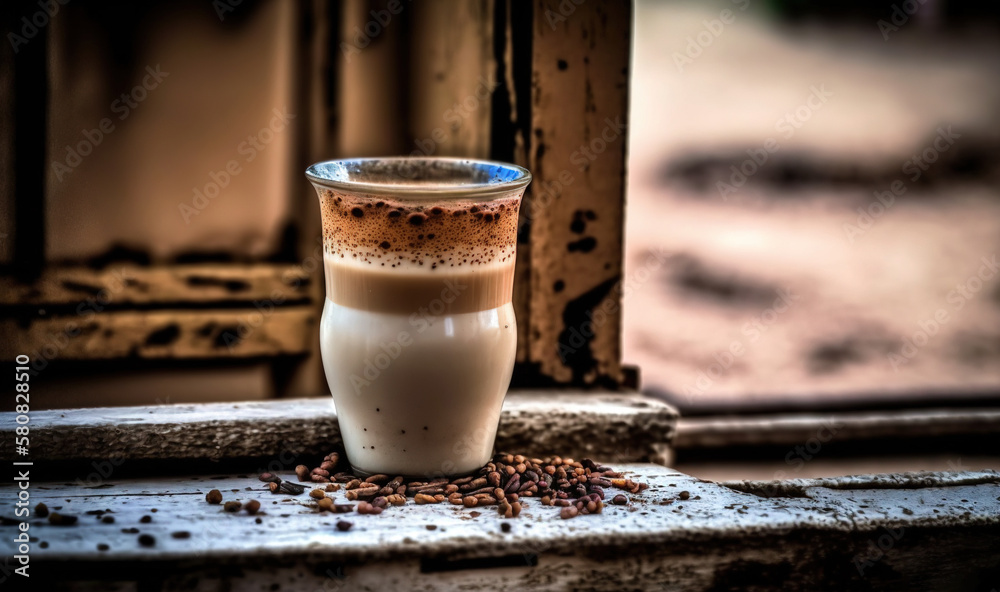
<point>796,429</point>
<point>510,139</point>
<point>29,44</point>
<point>8,141</point>
<point>180,334</point>
<point>82,288</point>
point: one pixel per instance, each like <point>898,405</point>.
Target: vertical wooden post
<point>372,55</point>
<point>510,136</point>
<point>317,61</point>
<point>7,140</point>
<point>573,218</point>
<point>26,153</point>
<point>452,77</point>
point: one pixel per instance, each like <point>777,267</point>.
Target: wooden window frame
<point>563,82</point>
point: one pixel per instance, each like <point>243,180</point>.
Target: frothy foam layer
<point>378,232</point>
<point>444,257</point>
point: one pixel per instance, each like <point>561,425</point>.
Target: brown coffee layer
<point>409,291</point>
<point>397,235</point>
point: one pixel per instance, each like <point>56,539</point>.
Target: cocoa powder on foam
<point>387,233</point>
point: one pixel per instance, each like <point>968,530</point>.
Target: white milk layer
<point>418,394</point>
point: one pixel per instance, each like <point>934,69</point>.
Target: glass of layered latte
<point>418,335</point>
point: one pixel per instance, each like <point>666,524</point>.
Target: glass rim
<point>322,174</point>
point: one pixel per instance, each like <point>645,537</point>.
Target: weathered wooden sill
<point>933,531</point>
<point>623,426</point>
<point>928,532</point>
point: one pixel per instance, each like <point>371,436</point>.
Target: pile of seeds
<point>578,487</point>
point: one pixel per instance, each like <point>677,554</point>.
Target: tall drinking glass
<point>418,335</point>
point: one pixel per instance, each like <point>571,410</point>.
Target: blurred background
<point>812,212</point>
<point>821,109</point>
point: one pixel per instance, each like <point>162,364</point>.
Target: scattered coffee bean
<point>513,483</point>
<point>102,547</point>
<point>576,487</point>
<point>214,496</point>
<point>344,525</point>
<point>474,484</point>
<point>232,506</point>
<point>147,540</point>
<point>181,534</point>
<point>684,495</point>
<point>41,510</point>
<point>302,473</point>
<point>366,508</point>
<point>269,478</point>
<point>58,519</point>
<point>505,526</point>
<point>108,519</point>
<point>252,507</point>
<point>146,519</point>
<point>130,530</point>
<point>362,493</point>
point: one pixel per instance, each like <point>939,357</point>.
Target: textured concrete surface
<point>935,531</point>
